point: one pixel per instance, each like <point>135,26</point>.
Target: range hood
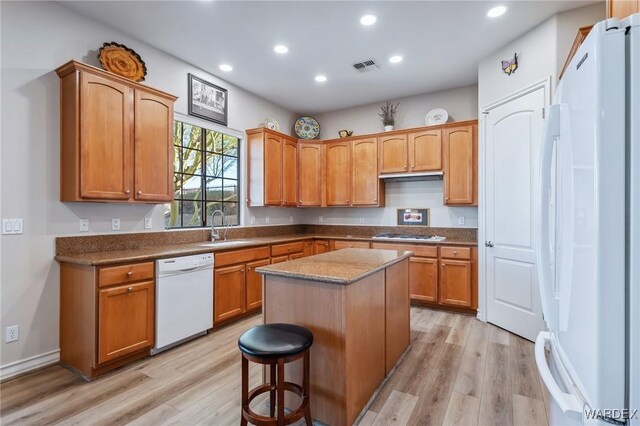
<point>411,177</point>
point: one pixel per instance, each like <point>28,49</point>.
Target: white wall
<point>460,103</point>
<point>36,38</point>
<point>568,23</point>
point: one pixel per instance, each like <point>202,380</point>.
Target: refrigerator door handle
<point>543,252</point>
<point>566,401</point>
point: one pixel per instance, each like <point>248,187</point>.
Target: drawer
<point>279,259</point>
<point>455,252</point>
<point>125,273</point>
<point>418,250</point>
<point>282,249</point>
<point>240,256</point>
<point>340,244</point>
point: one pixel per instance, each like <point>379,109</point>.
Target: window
<point>206,178</point>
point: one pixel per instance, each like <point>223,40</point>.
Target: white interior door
<point>513,135</point>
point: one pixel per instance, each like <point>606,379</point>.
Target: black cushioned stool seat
<point>275,345</point>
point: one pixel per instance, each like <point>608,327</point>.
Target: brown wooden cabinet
<point>308,249</point>
<point>338,173</point>
<point>455,282</point>
<point>622,8</point>
<point>343,244</point>
<point>310,174</point>
<point>425,150</point>
<point>367,187</point>
<point>107,315</point>
<point>237,287</point>
<point>289,251</point>
<point>460,165</point>
<point>115,138</point>
<point>423,279</point>
<point>321,246</point>
<point>272,168</point>
<point>394,155</point>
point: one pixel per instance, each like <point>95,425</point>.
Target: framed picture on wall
<point>208,101</point>
<point>413,217</point>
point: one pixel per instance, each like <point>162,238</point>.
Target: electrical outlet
<point>253,220</point>
<point>115,224</point>
<point>461,220</point>
<point>361,219</point>
<point>147,223</point>
<point>267,220</point>
<point>84,225</point>
<point>12,334</point>
<point>320,219</point>
<point>290,219</point>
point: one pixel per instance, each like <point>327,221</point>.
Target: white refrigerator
<point>589,229</point>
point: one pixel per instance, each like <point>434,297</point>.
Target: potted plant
<point>388,115</point>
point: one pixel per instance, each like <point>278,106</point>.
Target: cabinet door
<point>308,249</point>
<point>393,154</point>
<point>228,292</point>
<point>341,244</point>
<point>425,151</point>
<point>321,246</point>
<point>105,139</point>
<point>366,184</point>
<point>126,318</point>
<point>455,282</point>
<point>338,162</point>
<point>622,8</point>
<point>279,259</point>
<point>459,165</point>
<point>310,174</point>
<point>153,148</point>
<point>254,285</point>
<point>272,170</point>
<point>423,279</point>
<point>289,173</point>
<point>296,256</point>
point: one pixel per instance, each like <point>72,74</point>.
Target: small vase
<point>388,128</point>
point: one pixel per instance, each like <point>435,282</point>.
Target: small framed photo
<point>413,217</point>
<point>207,101</point>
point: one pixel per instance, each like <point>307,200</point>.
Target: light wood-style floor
<point>459,371</point>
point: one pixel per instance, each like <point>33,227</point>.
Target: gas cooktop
<point>408,237</point>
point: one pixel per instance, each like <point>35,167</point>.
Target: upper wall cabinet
<point>272,168</point>
<point>460,153</point>
<point>367,189</point>
<point>413,152</point>
<point>622,8</point>
<point>394,157</point>
<point>116,138</point>
<point>338,172</point>
<point>310,174</point>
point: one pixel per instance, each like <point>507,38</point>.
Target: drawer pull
<point>455,252</point>
<point>129,273</point>
<point>130,289</point>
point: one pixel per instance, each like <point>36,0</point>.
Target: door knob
<point>488,243</point>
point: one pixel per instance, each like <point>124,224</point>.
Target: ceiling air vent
<point>365,66</point>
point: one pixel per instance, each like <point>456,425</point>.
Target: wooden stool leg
<point>245,389</point>
<point>305,387</point>
<point>272,393</point>
<point>280,391</point>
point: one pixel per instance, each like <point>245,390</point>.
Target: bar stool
<point>275,345</point>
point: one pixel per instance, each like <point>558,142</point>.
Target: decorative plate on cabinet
<point>436,116</point>
<point>271,124</point>
<point>307,128</point>
<point>119,59</point>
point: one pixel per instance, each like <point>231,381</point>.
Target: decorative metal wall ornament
<point>510,66</point>
<point>119,59</point>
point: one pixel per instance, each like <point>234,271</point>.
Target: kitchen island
<point>356,304</point>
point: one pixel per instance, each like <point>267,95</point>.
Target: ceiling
<point>442,43</point>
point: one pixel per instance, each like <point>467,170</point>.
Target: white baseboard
<point>28,364</point>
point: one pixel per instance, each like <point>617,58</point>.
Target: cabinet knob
<point>347,201</point>
<point>405,167</point>
<point>446,198</point>
<point>443,265</point>
<point>300,201</point>
<point>128,191</point>
<point>130,289</point>
<point>455,253</point>
<point>139,192</point>
<point>130,273</point>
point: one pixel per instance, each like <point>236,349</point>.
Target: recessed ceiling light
<point>321,78</point>
<point>494,12</point>
<point>226,67</point>
<point>395,59</point>
<point>280,48</point>
<point>368,20</point>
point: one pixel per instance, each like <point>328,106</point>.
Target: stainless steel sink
<point>225,243</point>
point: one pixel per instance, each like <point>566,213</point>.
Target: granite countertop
<point>150,253</point>
<point>338,267</point>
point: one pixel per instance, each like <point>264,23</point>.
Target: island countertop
<point>338,267</point>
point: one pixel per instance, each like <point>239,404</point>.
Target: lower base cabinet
<point>455,282</point>
<point>423,279</point>
<point>107,315</point>
<point>229,292</point>
<point>254,285</point>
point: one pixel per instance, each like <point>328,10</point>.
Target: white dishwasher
<point>184,299</point>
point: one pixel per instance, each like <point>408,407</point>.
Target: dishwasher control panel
<point>184,263</point>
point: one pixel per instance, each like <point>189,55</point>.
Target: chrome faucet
<point>214,234</point>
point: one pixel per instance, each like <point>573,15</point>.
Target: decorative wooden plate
<point>119,59</point>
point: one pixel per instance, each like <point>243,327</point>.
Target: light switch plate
<point>11,226</point>
<point>147,223</point>
<point>84,225</point>
<point>461,220</point>
<point>115,224</point>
